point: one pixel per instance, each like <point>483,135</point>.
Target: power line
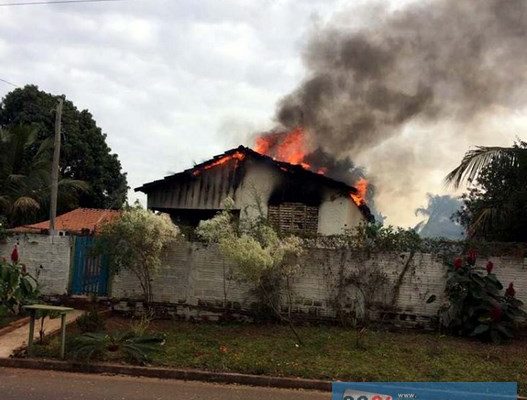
<point>9,83</point>
<point>31,3</point>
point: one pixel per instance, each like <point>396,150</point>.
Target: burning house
<point>294,198</point>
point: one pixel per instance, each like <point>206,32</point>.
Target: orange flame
<point>359,198</point>
<point>291,147</point>
<point>284,146</point>
<point>238,156</point>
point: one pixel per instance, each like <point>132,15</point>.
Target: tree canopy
<point>85,155</point>
<point>25,178</point>
<point>495,204</point>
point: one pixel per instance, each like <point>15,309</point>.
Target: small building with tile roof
<point>81,221</point>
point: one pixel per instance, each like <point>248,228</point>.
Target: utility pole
<point>55,169</point>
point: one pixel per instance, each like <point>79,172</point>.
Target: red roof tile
<point>80,220</point>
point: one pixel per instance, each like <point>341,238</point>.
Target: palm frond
<point>74,184</point>
<point>5,203</point>
<point>489,218</point>
<point>16,178</point>
<point>475,160</point>
<point>25,204</point>
<point>45,149</point>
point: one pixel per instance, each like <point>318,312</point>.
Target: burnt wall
<point>247,181</point>
<point>203,189</point>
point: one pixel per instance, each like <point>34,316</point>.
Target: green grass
<point>332,353</point>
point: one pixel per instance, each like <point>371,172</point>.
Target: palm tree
<point>25,177</point>
<point>478,161</point>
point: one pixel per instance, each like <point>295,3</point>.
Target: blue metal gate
<point>90,274</point>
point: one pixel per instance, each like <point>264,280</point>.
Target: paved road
<point>23,384</point>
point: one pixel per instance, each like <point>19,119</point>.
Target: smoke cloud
<point>435,61</point>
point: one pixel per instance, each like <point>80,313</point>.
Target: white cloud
<point>163,78</point>
<point>177,81</point>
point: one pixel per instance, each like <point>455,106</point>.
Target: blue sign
<point>425,390</point>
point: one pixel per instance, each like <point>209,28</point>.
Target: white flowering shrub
<point>135,242</point>
<point>258,254</point>
<point>254,247</point>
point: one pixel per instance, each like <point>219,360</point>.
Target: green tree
<point>85,154</point>
<point>25,177</point>
<point>495,204</point>
<point>134,242</point>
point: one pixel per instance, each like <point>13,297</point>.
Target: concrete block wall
<point>192,274</point>
<point>45,256</point>
<point>192,277</point>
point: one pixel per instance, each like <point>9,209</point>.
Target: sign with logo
<point>425,390</point>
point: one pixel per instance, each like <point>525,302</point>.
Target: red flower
<point>14,255</point>
<point>496,313</point>
<point>510,292</point>
<point>458,263</point>
<point>471,257</point>
<point>490,266</point>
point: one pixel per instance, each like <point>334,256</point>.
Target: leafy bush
<point>140,326</point>
<point>128,345</point>
<point>91,321</point>
<point>372,238</point>
<point>3,228</point>
<point>476,306</point>
<point>17,286</point>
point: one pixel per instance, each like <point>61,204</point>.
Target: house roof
<point>287,168</point>
<point>78,221</point>
<point>284,166</point>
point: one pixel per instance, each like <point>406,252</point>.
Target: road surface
<point>24,384</point>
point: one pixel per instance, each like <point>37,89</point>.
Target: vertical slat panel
<point>90,274</point>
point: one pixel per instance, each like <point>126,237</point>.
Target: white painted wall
<point>45,256</point>
<point>192,275</point>
<point>337,214</point>
<point>260,181</point>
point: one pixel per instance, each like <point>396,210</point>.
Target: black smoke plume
<point>433,60</point>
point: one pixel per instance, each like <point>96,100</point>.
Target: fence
<point>194,281</point>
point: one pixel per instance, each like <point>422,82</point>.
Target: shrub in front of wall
<point>17,286</point>
<point>477,305</point>
<point>91,321</point>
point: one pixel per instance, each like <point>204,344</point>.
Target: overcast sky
<point>172,82</point>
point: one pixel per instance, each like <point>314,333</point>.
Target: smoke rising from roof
<point>445,58</point>
<point>433,61</point>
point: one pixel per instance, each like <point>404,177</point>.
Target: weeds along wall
<point>47,258</point>
<point>195,282</point>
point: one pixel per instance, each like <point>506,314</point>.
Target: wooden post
<point>31,331</point>
<point>55,169</point>
<point>62,335</point>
